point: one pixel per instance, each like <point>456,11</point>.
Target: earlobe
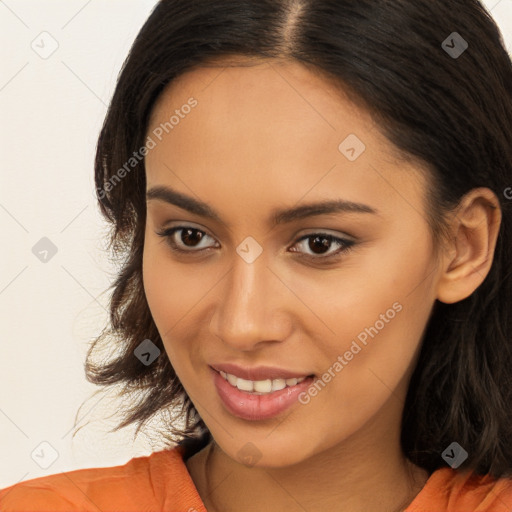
<point>469,256</point>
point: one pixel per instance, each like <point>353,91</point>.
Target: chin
<point>279,452</point>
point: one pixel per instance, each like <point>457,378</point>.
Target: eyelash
<point>346,245</point>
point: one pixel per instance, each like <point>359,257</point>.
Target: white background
<point>51,113</point>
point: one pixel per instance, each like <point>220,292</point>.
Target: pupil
<point>324,245</point>
<point>185,237</point>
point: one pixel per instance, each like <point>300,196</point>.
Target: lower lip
<point>257,407</point>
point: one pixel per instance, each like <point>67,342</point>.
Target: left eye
<point>321,241</point>
<point>192,238</point>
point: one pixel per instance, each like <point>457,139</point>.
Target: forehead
<point>276,128</point>
<point>272,91</point>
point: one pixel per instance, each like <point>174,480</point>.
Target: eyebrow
<point>278,216</point>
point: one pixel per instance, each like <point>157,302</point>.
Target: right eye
<point>190,237</point>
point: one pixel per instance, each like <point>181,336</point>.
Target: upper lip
<point>258,372</point>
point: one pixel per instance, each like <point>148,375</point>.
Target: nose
<point>252,306</point>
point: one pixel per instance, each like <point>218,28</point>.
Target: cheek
<point>376,308</point>
<point>171,289</point>
<point>175,294</point>
<point>168,292</point>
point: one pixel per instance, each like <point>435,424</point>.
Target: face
<point>342,295</point>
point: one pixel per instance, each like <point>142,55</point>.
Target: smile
<point>260,387</point>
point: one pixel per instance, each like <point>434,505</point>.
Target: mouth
<point>257,400</point>
<point>258,373</point>
<point>261,387</point>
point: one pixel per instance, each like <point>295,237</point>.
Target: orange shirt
<point>160,482</point>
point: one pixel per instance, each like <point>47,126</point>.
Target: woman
<point>312,204</point>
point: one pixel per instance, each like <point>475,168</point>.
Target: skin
<point>266,136</point>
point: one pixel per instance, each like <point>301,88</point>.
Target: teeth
<point>260,387</point>
<point>278,384</point>
<point>244,385</point>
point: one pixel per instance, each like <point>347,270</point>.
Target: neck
<point>334,480</point>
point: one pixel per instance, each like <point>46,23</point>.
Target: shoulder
<point>454,491</point>
<point>143,483</point>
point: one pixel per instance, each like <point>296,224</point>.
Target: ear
<point>469,255</point>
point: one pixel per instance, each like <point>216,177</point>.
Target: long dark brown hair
<point>451,112</point>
